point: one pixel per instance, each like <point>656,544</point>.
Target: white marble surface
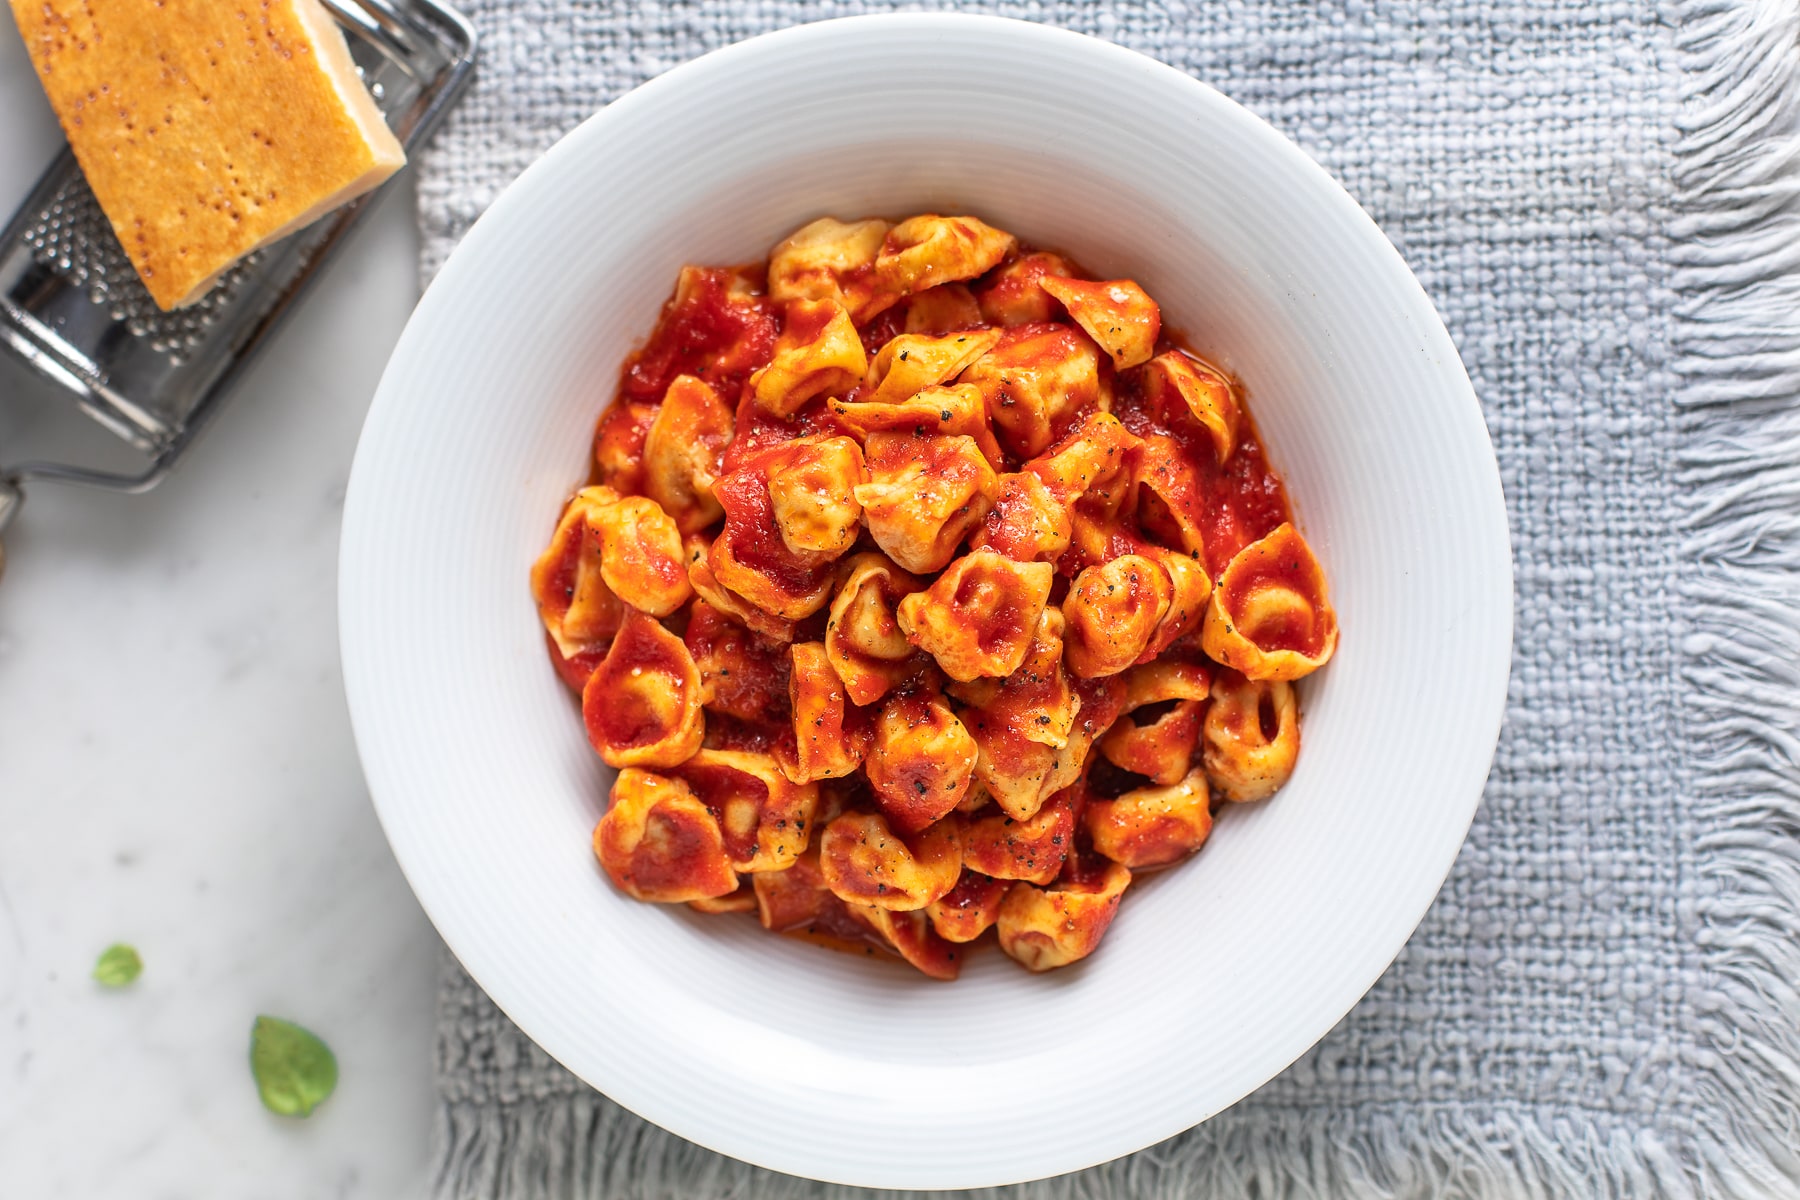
<point>176,771</point>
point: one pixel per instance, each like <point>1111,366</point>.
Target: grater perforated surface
<point>72,236</point>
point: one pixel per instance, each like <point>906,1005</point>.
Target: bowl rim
<point>691,73</point>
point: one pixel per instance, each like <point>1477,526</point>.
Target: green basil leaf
<point>295,1071</point>
<point>117,965</point>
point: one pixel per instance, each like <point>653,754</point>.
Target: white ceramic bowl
<point>1216,975</point>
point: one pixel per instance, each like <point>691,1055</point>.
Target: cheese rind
<point>207,128</point>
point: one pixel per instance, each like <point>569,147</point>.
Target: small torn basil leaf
<point>117,965</point>
<point>295,1071</point>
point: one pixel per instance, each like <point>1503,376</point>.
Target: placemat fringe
<point>579,1147</point>
<point>1736,250</point>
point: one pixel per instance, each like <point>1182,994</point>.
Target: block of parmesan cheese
<point>207,128</point>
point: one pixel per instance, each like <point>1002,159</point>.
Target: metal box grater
<point>73,309</point>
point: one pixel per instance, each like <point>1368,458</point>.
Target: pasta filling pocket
<point>642,703</point>
<point>863,639</point>
<point>1270,617</point>
<point>980,616</point>
<point>819,353</point>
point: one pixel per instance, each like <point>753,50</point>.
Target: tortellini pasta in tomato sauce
<point>921,760</point>
<point>1112,611</point>
<point>1027,522</point>
<point>979,617</point>
<point>1151,826</point>
<point>867,861</point>
<point>943,309</point>
<point>1173,381</point>
<point>924,495</point>
<point>956,411</point>
<point>817,354</point>
<point>1037,380</point>
<point>659,843</point>
<point>1252,736</point>
<point>969,909</point>
<point>1158,728</point>
<point>827,260</point>
<point>925,251</point>
<point>1033,849</point>
<point>1014,293</point>
<point>1118,314</point>
<point>912,362</point>
<point>1270,617</point>
<point>831,735</point>
<point>863,640</point>
<point>609,553</point>
<point>1056,925</point>
<point>764,818</point>
<point>925,590</point>
<point>642,703</point>
<point>682,450</point>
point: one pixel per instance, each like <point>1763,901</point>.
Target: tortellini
<point>1112,612</point>
<point>943,309</point>
<point>831,735</point>
<point>764,818</point>
<point>817,354</point>
<point>913,936</point>
<point>866,861</point>
<point>1033,849</point>
<point>1014,295</point>
<point>1270,617</point>
<point>742,675</point>
<point>642,704</point>
<point>813,495</point>
<point>1027,521</point>
<point>957,410</point>
<point>609,553</point>
<point>863,639</point>
<point>827,260</point>
<point>929,250</point>
<point>1174,380</point>
<point>921,761</point>
<point>681,453</point>
<point>707,587</point>
<point>1090,473</point>
<point>912,362</point>
<point>979,617</point>
<point>1153,826</point>
<point>802,493</point>
<point>1037,381</point>
<point>1034,729</point>
<point>969,909</point>
<point>925,587</point>
<point>1118,314</point>
<point>1252,736</point>
<point>1159,747</point>
<point>924,494</point>
<point>1051,927</point>
<point>659,843</point>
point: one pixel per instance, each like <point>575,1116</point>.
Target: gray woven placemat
<point>1602,199</point>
